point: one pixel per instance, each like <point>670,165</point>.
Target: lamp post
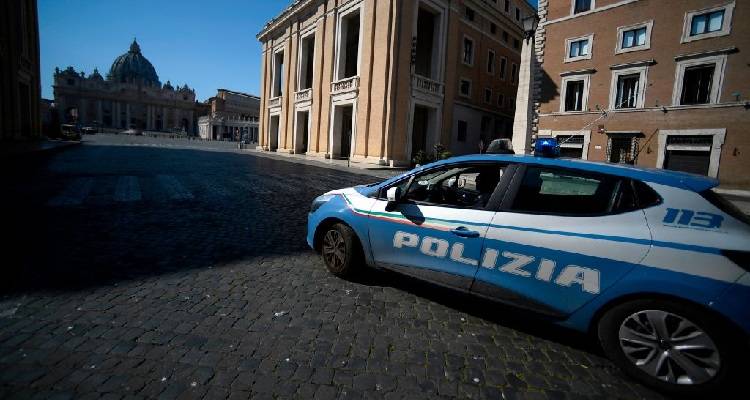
<point>524,114</point>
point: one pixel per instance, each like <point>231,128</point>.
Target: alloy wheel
<point>669,347</point>
<point>334,249</point>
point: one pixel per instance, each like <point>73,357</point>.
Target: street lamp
<point>529,25</point>
<point>522,121</point>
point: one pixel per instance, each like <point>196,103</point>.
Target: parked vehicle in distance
<point>70,132</point>
<point>653,263</point>
<point>133,131</point>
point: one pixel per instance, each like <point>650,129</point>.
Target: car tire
<point>341,250</point>
<point>664,349</point>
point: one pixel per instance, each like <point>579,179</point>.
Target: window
<point>512,103</point>
<point>708,23</point>
<point>696,84</point>
<point>347,52</point>
<point>464,87</point>
<point>487,95</point>
<point>516,44</point>
<point>691,150</point>
<point>503,64</point>
<point>627,91</point>
<point>580,6</point>
<point>500,100</point>
<point>469,14</point>
<point>490,62</point>
<point>518,14</point>
<point>493,28</point>
<point>514,73</point>
<point>574,96</point>
<point>468,57</point>
<point>278,74</point>
<point>505,36</point>
<point>699,80</point>
<point>575,88</point>
<point>306,61</point>
<point>461,186</point>
<point>628,87</point>
<point>578,48</point>
<point>622,148</point>
<point>566,192</point>
<point>572,146</point>
<point>634,37</point>
<point>462,128</point>
<point>689,153</point>
<point>507,5</point>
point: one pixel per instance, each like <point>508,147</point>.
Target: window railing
<point>426,85</point>
<point>274,102</point>
<point>345,85</point>
<point>303,95</point>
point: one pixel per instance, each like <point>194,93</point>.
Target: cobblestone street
<point>151,271</point>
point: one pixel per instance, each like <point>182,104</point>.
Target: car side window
<point>460,186</point>
<point>546,190</point>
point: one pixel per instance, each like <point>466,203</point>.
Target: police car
<point>651,262</point>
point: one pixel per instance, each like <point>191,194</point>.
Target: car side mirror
<point>394,194</point>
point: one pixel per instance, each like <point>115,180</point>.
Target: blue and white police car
<point>653,263</point>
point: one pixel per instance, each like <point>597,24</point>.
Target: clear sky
<point>208,44</point>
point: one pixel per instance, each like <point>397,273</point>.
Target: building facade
<point>233,116</point>
<point>131,97</point>
<point>385,81</point>
<point>657,83</point>
<point>20,88</point>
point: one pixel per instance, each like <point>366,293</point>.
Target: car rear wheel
<point>341,250</point>
<point>671,346</point>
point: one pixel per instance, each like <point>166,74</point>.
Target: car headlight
<point>319,201</point>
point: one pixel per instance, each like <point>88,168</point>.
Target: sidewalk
<point>30,149</point>
<point>740,198</point>
<point>341,165</point>
<point>227,146</point>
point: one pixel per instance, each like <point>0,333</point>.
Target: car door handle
<point>463,232</point>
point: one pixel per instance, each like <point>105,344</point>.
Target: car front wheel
<point>341,250</point>
<point>673,347</point>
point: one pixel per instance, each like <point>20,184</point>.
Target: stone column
<point>127,115</point>
<point>99,113</point>
<point>522,121</point>
<point>82,112</point>
<point>147,122</point>
<point>190,123</point>
<point>118,118</point>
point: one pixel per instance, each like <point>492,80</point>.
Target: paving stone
<point>163,298</point>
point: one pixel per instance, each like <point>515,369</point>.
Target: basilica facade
<point>129,97</point>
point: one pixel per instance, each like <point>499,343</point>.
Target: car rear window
<point>565,192</point>
<point>725,205</point>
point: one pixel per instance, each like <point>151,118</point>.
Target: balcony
<point>274,102</point>
<point>303,95</point>
<point>426,85</point>
<point>345,85</point>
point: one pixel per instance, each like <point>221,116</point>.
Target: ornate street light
<point>529,25</point>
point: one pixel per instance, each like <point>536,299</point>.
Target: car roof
<point>683,180</point>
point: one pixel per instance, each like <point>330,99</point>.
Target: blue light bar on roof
<point>546,147</point>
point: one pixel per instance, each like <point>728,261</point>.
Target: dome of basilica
<point>133,67</point>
